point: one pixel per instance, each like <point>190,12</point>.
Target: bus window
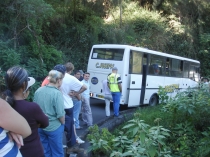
<point>186,69</point>
<point>194,73</point>
<point>135,62</point>
<point>174,67</point>
<point>156,65</point>
<point>108,54</point>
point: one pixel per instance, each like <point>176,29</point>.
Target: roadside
<point>107,122</point>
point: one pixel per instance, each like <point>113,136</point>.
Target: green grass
<point>149,114</point>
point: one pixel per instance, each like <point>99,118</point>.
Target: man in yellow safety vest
<point>114,83</point>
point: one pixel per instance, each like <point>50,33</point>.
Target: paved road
<point>98,111</point>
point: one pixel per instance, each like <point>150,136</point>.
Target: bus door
<point>136,92</point>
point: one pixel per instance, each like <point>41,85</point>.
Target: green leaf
<point>135,130</point>
<point>142,136</point>
<point>152,151</point>
<point>128,126</point>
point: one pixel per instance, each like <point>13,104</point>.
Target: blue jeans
<point>116,102</point>
<point>77,109</point>
<point>69,127</point>
<point>52,141</point>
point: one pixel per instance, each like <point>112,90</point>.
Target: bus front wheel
<point>153,100</point>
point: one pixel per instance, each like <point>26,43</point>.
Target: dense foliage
<point>39,34</point>
<point>179,127</point>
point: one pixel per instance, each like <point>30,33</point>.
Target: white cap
<point>31,81</point>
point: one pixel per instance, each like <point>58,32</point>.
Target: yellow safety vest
<point>113,84</point>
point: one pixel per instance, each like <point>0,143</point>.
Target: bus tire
<point>153,101</point>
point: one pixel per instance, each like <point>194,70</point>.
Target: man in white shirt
<point>107,97</point>
<point>86,110</point>
<point>69,85</point>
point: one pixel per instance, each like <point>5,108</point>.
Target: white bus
<point>142,72</point>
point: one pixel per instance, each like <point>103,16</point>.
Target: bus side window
<point>135,62</point>
<point>175,70</point>
<point>167,67</point>
<point>156,64</point>
<point>193,73</point>
<point>186,69</point>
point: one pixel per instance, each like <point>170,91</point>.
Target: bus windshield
<point>108,54</point>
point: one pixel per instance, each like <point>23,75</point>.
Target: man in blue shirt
<point>86,110</point>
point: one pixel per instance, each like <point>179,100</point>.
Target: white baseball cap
<point>31,81</point>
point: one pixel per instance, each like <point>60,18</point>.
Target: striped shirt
<point>7,148</point>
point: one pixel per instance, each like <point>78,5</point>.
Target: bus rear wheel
<point>153,100</point>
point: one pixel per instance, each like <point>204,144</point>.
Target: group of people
<point>37,127</point>
<point>55,108</point>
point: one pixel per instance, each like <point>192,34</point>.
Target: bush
<point>136,139</point>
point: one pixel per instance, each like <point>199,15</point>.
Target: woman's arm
<point>40,117</point>
<point>12,121</point>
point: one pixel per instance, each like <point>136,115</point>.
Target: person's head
<point>86,76</point>
<point>156,69</point>
<point>55,77</point>
<point>18,83</point>
<point>69,67</point>
<point>114,70</point>
<point>204,80</point>
<point>61,68</point>
<point>77,74</point>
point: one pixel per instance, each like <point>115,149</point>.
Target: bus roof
<point>143,50</point>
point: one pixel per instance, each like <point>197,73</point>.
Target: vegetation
<point>40,34</point>
<point>177,127</point>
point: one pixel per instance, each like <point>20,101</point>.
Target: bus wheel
<point>153,100</point>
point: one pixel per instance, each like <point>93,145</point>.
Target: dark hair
<point>86,73</point>
<point>77,71</point>
<point>61,68</point>
<point>204,78</point>
<point>14,79</point>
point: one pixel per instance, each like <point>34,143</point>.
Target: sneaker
<point>79,128</point>
<point>79,141</point>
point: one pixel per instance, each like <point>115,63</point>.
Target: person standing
<point>18,84</point>
<point>70,85</point>
<point>86,110</point>
<point>51,101</point>
<point>114,84</point>
<point>77,103</point>
<point>107,97</point>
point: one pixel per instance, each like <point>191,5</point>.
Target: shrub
<point>101,140</point>
<point>191,106</point>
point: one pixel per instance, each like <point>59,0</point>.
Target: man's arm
<point>62,120</point>
<point>120,87</point>
<point>78,97</point>
<point>82,89</point>
<point>108,85</point>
